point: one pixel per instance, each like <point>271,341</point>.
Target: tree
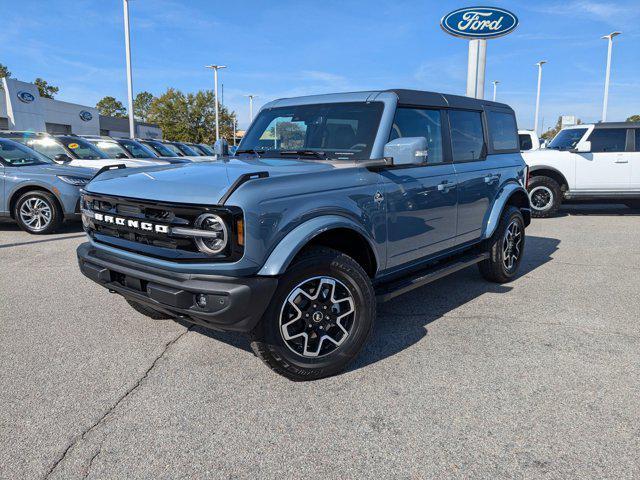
<point>634,118</point>
<point>190,117</point>
<point>111,107</point>
<point>4,71</point>
<point>46,90</point>
<point>141,105</point>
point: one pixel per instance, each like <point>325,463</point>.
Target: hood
<point>54,169</point>
<point>537,157</point>
<point>196,183</point>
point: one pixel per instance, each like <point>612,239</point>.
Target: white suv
<point>586,162</point>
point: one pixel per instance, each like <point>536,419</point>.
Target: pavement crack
<point>90,464</point>
<point>78,438</point>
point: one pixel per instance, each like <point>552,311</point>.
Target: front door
<point>607,167</point>
<point>421,200</point>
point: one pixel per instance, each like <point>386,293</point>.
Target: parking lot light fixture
<point>607,74</point>
<point>215,69</point>
<point>535,121</point>
<point>251,97</point>
<point>495,88</point>
<point>127,43</point>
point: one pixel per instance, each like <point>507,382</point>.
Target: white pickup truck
<point>586,162</point>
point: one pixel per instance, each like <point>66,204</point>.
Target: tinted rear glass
<point>467,136</point>
<point>503,131</point>
<point>608,140</point>
<point>525,142</point>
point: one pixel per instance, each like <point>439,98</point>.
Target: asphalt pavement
<point>539,378</point>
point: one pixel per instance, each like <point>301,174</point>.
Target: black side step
<point>387,291</point>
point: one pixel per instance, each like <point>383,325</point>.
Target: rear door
<point>606,168</point>
<point>477,182</point>
<point>421,200</point>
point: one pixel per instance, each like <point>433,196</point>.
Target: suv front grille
<point>158,218</point>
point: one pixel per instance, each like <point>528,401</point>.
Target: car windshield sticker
<point>73,146</point>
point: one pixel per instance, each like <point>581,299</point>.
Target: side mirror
<point>221,147</point>
<point>62,157</point>
<point>121,155</point>
<point>407,151</point>
<point>582,147</point>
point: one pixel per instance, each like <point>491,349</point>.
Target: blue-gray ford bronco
<point>331,204</point>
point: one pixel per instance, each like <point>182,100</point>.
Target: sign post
<point>478,24</point>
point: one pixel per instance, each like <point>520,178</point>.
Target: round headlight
<point>216,241</point>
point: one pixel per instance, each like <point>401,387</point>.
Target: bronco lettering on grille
<point>136,224</point>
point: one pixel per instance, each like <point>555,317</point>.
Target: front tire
<point>545,196</point>
<point>319,319</point>
<point>38,212</point>
<point>505,248</point>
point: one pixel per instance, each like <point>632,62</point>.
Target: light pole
<point>127,43</point>
<point>495,88</point>
<point>215,69</point>
<point>608,73</point>
<point>251,97</point>
<point>535,122</point>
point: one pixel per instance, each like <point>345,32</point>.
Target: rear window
<point>467,138</point>
<point>503,131</point>
<point>608,139</point>
<point>637,132</point>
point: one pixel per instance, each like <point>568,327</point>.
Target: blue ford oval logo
<point>479,22</point>
<point>25,97</point>
<point>85,116</point>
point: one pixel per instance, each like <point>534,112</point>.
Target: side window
<point>637,132</point>
<point>415,122</point>
<point>503,131</point>
<point>467,136</point>
<point>608,139</point>
<point>525,141</point>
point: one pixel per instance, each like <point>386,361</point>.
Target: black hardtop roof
<point>434,99</point>
<point>617,125</point>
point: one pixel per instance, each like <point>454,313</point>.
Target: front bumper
<point>232,303</point>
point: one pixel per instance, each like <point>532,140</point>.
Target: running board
<point>387,291</point>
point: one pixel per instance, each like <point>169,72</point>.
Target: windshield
<point>17,155</point>
<point>82,149</point>
<point>174,148</point>
<point>187,150</point>
<point>342,131</point>
<point>112,149</point>
<point>567,139</point>
<point>45,145</point>
<point>162,149</point>
<point>136,149</point>
<point>205,149</point>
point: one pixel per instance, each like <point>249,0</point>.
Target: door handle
<point>621,159</point>
<point>492,177</point>
<point>445,186</point>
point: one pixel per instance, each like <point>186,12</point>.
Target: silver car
<point>35,191</point>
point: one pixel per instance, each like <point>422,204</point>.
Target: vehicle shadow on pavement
<point>403,321</point>
<point>67,227</point>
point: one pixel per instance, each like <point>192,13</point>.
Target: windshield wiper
<point>299,153</point>
<point>251,150</point>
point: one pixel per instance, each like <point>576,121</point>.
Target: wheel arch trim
<point>281,256</point>
<point>502,200</point>
<point>538,168</point>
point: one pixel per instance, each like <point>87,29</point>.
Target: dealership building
<point>22,108</point>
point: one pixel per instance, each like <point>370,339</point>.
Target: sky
<point>286,48</point>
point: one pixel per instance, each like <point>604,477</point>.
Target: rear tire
<point>545,196</point>
<point>38,212</point>
<point>148,312</point>
<point>505,247</point>
<point>319,318</point>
